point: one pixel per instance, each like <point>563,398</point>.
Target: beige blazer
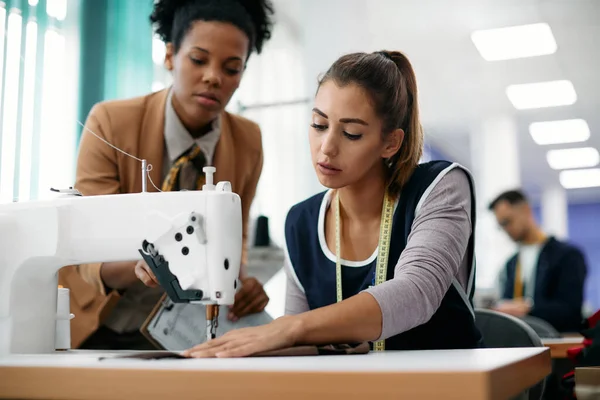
<point>137,127</point>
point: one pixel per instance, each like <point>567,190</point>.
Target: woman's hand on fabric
<point>282,333</point>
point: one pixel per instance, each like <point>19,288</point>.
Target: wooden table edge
<point>532,370</point>
<point>124,383</point>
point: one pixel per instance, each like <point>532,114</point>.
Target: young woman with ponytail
<point>386,254</point>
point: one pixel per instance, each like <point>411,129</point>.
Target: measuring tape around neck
<point>385,231</point>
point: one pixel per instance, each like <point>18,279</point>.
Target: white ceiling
<point>458,89</point>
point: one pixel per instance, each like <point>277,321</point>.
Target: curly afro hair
<point>174,18</point>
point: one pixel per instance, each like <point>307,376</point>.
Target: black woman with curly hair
<point>178,130</point>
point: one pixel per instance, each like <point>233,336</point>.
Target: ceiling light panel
<point>558,132</point>
<point>514,42</point>
<point>541,94</point>
<point>583,157</point>
<point>580,178</point>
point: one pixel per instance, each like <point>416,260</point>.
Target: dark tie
<point>186,172</point>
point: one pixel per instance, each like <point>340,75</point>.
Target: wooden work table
<point>448,374</point>
<point>558,347</point>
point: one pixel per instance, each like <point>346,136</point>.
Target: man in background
<point>546,277</point>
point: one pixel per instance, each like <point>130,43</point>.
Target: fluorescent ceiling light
<point>541,94</point>
<point>583,157</point>
<point>514,42</point>
<point>580,178</point>
<point>557,132</point>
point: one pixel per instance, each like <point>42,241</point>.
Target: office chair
<point>541,327</point>
<point>502,331</point>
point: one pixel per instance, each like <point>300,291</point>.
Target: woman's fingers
<point>144,274</point>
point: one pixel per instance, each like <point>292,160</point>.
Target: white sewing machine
<point>198,233</point>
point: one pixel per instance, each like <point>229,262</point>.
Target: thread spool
<point>62,338</point>
<point>262,238</point>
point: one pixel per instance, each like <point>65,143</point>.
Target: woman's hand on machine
<point>250,299</point>
<point>145,274</point>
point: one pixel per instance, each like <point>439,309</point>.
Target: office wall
<point>116,51</point>
<point>431,153</point>
<point>584,232</point>
<point>129,69</point>
<point>93,54</point>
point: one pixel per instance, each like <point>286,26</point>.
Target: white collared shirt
<point>178,140</point>
<point>528,259</point>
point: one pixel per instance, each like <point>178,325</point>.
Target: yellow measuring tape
<point>385,231</point>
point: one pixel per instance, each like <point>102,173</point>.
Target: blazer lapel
<point>542,269</point>
<point>224,159</point>
<point>152,139</point>
<point>511,268</point>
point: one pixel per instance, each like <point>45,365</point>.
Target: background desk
<point>559,347</point>
<point>560,363</point>
<point>450,374</point>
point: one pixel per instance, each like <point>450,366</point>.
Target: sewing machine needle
<point>208,330</point>
<point>212,315</point>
